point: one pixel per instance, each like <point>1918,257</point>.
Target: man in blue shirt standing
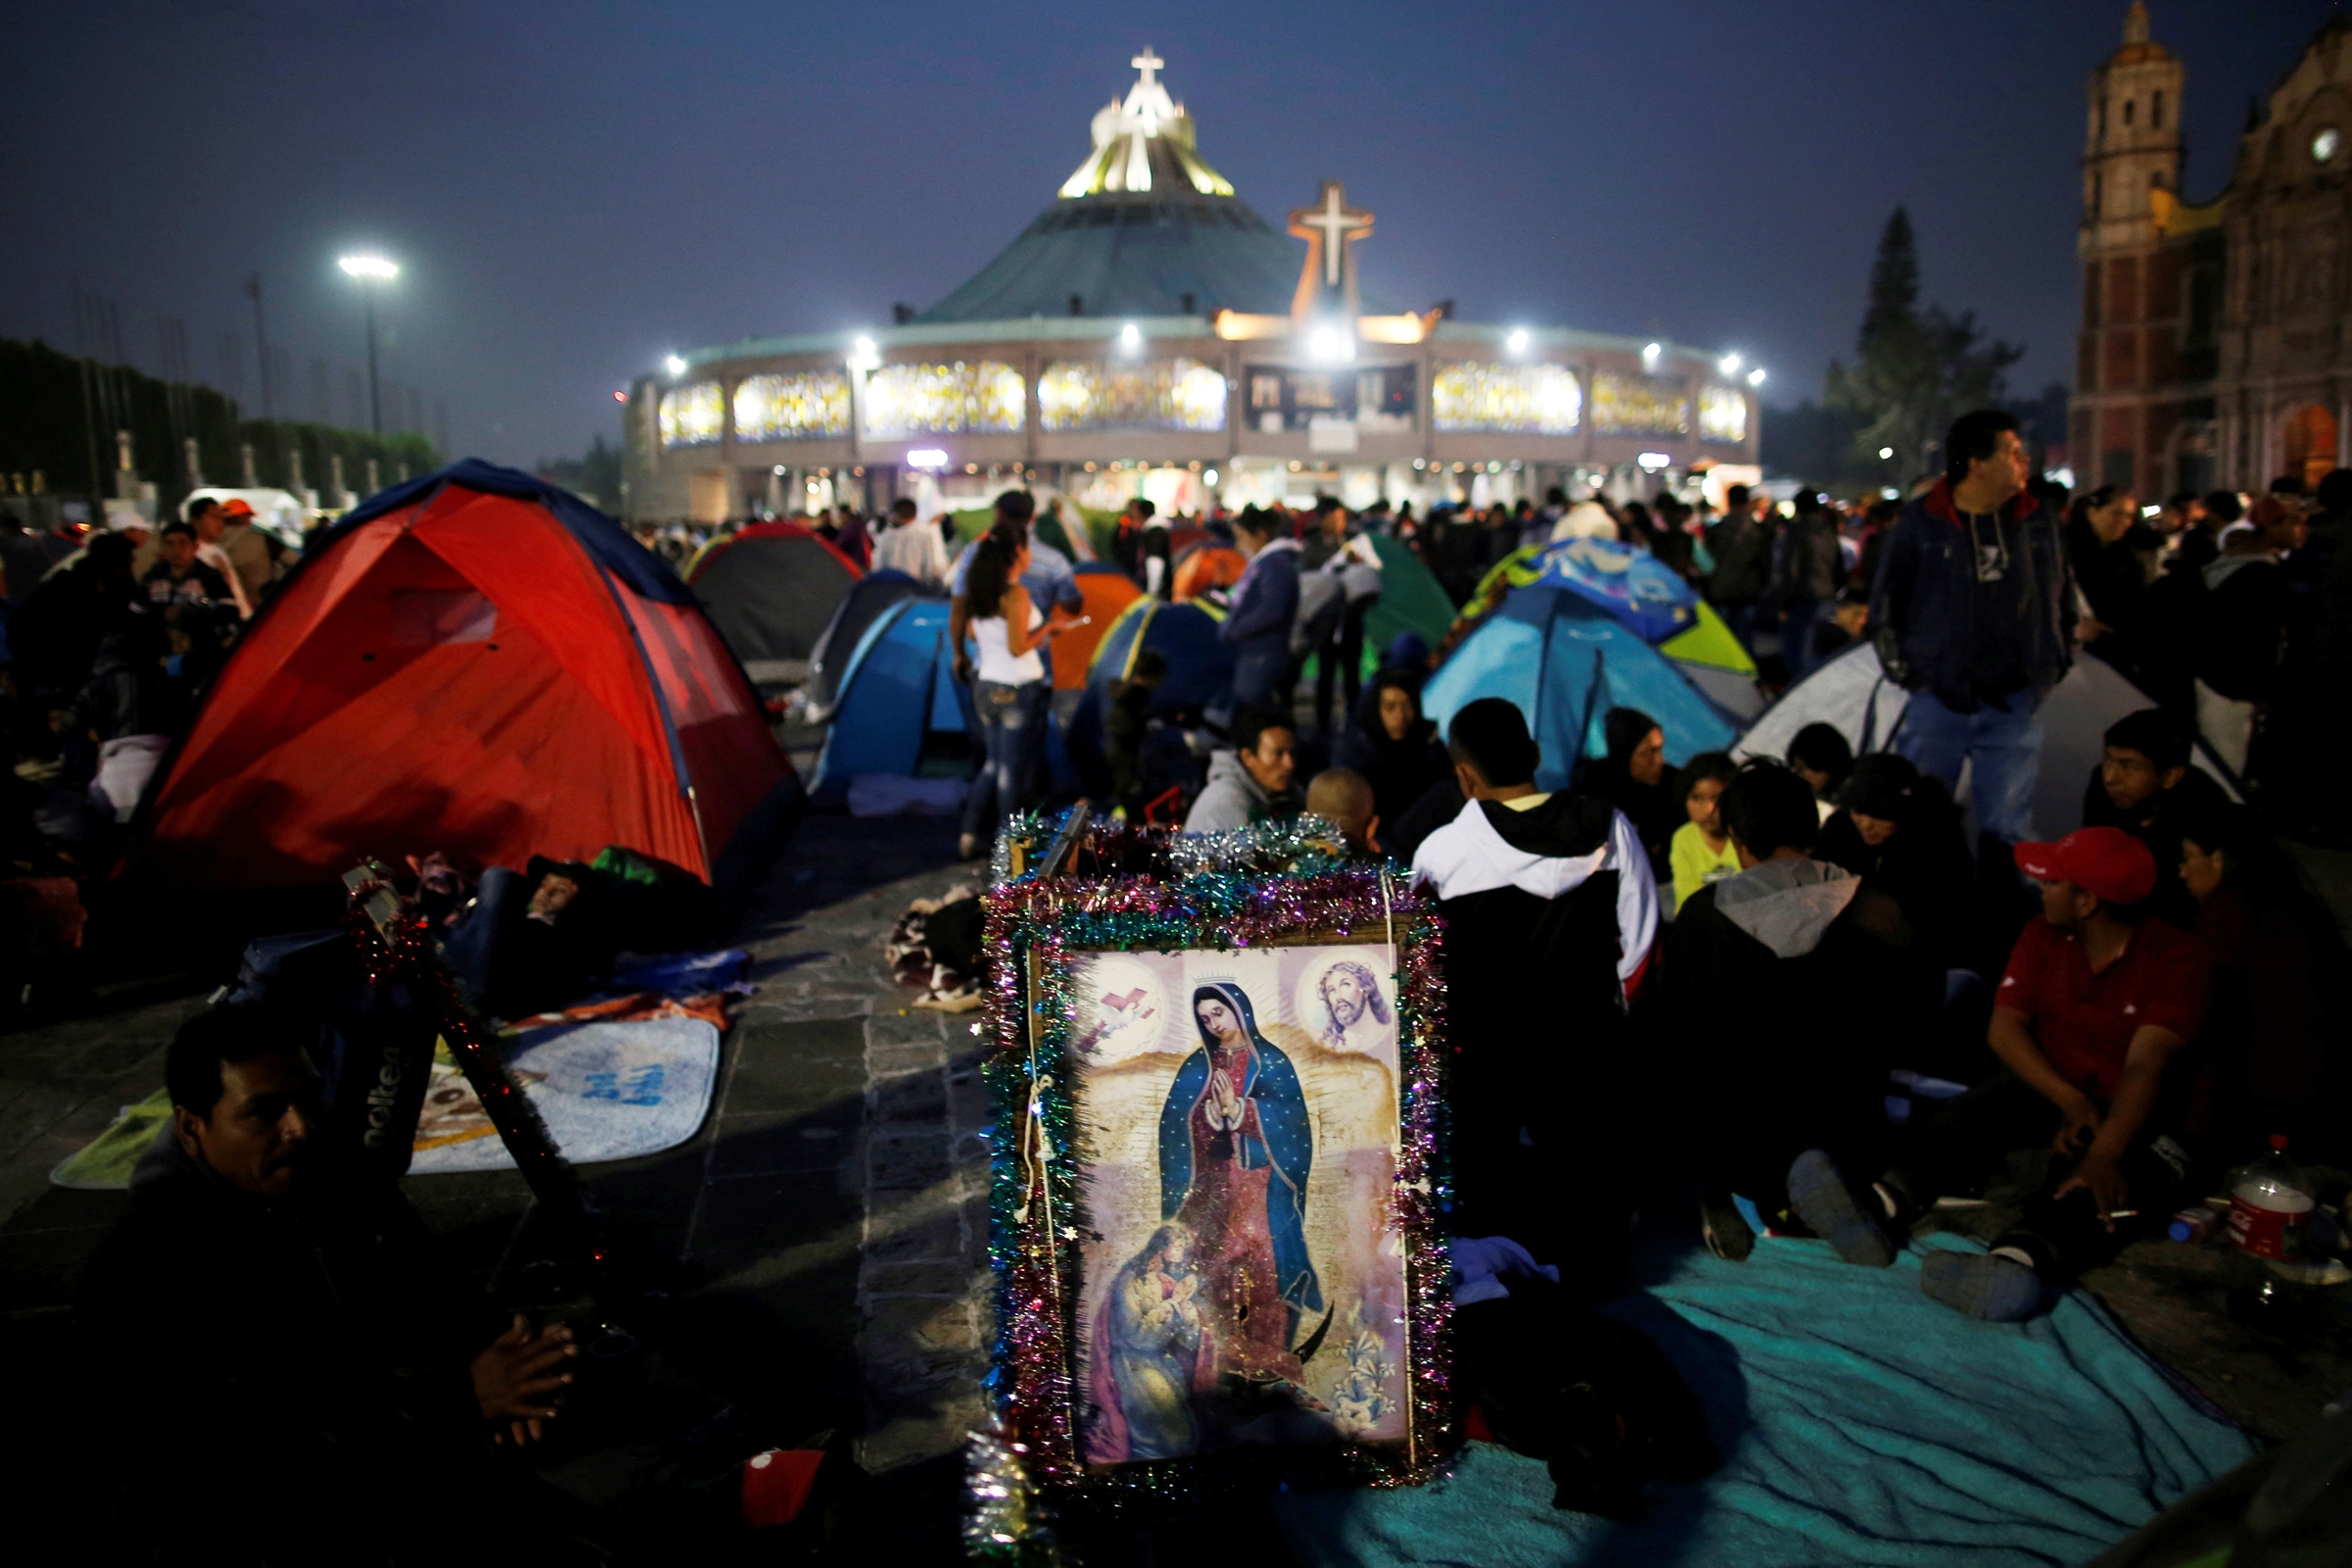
<point>1973,615</point>
<point>1259,620</point>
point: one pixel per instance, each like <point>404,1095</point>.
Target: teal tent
<point>1565,661</point>
<point>899,708</point>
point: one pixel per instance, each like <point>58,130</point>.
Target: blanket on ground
<point>1859,1422</point>
<point>607,1091</point>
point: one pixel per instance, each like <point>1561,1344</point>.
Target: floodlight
<point>375,267</point>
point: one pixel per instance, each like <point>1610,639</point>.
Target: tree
<point>1915,369</point>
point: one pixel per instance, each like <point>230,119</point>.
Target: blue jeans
<point>2005,747</point>
<point>1012,731</point>
<point>1802,619</point>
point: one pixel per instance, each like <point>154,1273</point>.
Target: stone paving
<point>819,1244</point>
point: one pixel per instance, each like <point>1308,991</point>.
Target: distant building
<point>1150,334</point>
<point>2214,348</point>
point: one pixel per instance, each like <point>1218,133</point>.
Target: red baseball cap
<point>236,507</point>
<point>2106,863</point>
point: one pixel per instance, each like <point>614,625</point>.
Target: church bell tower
<point>2131,142</point>
<point>2130,190</point>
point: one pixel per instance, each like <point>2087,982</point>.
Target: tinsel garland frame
<point>1163,894</point>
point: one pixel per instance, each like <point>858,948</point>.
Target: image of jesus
<point>1236,1145</point>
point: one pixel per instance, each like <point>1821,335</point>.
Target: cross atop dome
<point>1331,227</point>
<point>1135,133</point>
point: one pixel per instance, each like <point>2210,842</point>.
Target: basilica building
<point>1150,334</point>
<point>2217,336</point>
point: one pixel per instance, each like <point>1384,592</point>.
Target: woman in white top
<point>1010,693</point>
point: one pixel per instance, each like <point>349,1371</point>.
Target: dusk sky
<point>573,191</point>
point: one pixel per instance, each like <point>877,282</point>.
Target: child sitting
<point>1701,850</point>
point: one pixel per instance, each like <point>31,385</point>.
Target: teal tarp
<point>1858,1422</point>
<point>1565,663</point>
<point>898,690</point>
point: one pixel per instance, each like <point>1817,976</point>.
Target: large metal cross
<point>1147,63</point>
<point>1337,222</point>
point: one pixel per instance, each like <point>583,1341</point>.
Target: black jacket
<point>316,1343</point>
<point>1399,771</point>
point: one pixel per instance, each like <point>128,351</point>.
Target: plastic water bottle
<point>2270,1207</point>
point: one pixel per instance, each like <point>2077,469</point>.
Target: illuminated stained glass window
<point>984,397</point>
<point>693,416</point>
<point>1721,415</point>
<point>1629,404</point>
<point>1162,395</point>
<point>792,408</point>
<point>1539,398</point>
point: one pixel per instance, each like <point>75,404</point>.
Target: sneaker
<point>1818,1191</point>
<point>1983,1285</point>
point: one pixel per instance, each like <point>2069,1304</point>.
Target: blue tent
<point>1200,674</point>
<point>1200,666</point>
<point>899,708</point>
<point>1637,587</point>
<point>869,599</point>
<point>1565,661</point>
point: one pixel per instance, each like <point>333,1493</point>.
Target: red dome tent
<point>479,662</point>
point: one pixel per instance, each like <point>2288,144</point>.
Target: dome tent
<point>1107,591</point>
<point>479,662</point>
<point>1565,661</point>
<point>899,710</point>
<point>770,589</point>
<point>868,600</point>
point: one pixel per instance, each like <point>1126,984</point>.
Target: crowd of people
<point>106,641</point>
<point>1738,974</point>
<point>2127,1009</point>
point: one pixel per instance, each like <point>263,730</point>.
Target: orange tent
<point>1208,565</point>
<point>1107,591</point>
<point>479,662</point>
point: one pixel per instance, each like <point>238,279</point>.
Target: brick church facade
<point>2217,337</point>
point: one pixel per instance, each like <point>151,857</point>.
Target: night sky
<point>575,190</point>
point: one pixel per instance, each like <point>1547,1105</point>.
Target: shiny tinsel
<point>1133,889</point>
<point>1002,1520</point>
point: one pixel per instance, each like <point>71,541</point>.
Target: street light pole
<point>372,270</point>
<point>375,400</point>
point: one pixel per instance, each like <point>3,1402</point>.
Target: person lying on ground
<point>1782,989</point>
<point>535,940</point>
<point>2144,784</point>
<point>1550,918</point>
<point>2098,1001</point>
<point>298,1324</point>
<point>1700,850</point>
<point>1250,782</point>
<point>1343,797</point>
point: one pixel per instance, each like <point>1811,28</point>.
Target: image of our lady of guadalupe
<point>1234,1146</point>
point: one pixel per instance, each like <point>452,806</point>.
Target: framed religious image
<point>1242,1272</point>
<point>1215,1220</point>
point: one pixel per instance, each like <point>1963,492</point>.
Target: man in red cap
<point>2098,997</point>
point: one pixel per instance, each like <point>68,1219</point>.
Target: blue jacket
<point>1265,601</point>
<point>1923,605</point>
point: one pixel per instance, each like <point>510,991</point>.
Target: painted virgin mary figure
<point>1234,1146</point>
